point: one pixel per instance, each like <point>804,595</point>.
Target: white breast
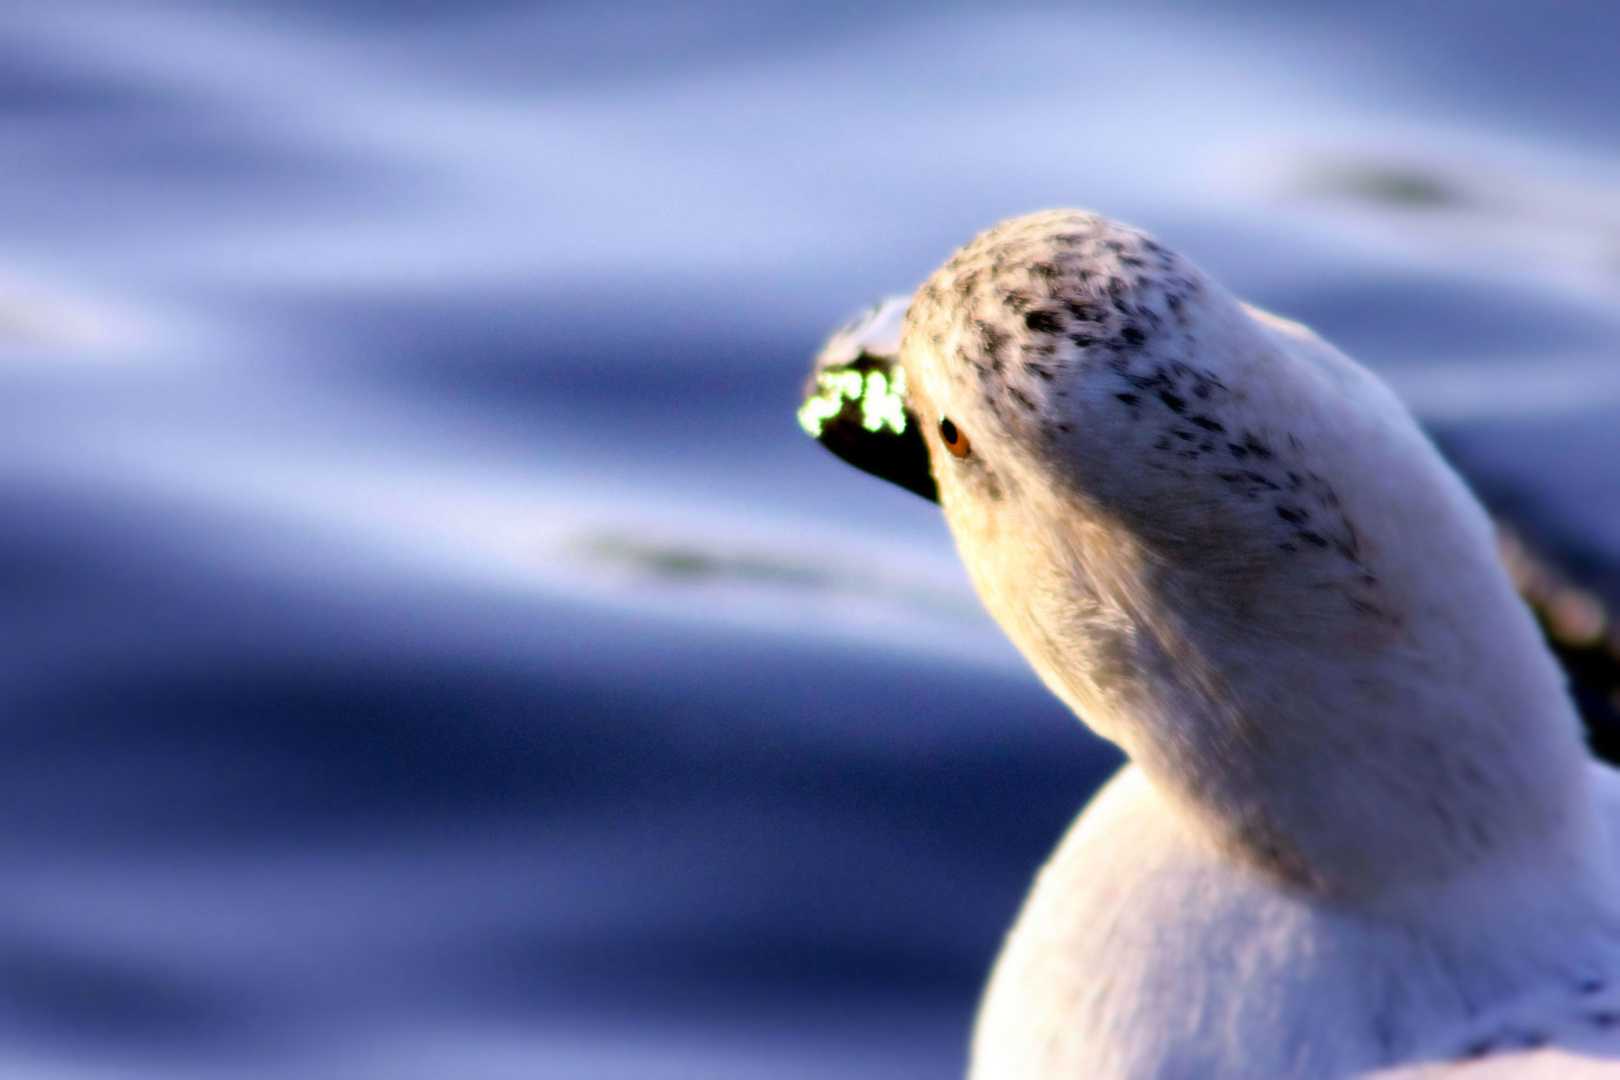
<point>1142,952</point>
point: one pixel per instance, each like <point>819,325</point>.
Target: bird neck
<point>1348,771</point>
<point>1337,750</point>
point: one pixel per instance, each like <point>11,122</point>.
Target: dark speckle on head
<point>1043,322</point>
<point>992,340</point>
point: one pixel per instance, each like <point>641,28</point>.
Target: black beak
<point>855,402</point>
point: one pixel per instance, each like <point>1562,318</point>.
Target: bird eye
<point>955,441</point>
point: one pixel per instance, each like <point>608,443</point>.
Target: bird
<point>1359,832</point>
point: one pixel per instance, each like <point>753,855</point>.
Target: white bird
<point>1359,833</point>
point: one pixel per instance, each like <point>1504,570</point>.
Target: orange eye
<point>955,441</point>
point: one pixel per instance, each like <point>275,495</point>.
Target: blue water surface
<point>430,646</point>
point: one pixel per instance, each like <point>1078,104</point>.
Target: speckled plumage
<point>1036,296</point>
<point>1360,831</point>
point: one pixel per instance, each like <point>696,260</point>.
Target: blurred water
<point>430,646</point>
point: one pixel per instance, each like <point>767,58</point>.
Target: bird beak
<point>855,402</point>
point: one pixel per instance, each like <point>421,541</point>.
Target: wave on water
<point>432,646</point>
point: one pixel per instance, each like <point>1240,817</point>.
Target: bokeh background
<point>428,646</point>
